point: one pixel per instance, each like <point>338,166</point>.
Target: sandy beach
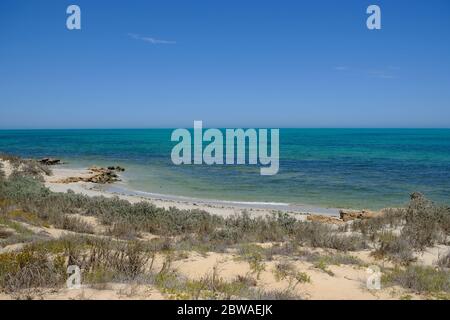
<point>217,207</point>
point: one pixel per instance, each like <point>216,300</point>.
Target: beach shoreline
<point>222,208</point>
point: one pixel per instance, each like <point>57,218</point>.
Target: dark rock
<point>50,161</point>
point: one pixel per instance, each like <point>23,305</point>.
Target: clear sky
<point>233,63</point>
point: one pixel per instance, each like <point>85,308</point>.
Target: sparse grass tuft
<point>30,269</point>
<point>253,254</point>
<point>319,235</point>
<point>73,224</point>
<point>285,270</point>
<point>422,279</point>
<point>394,248</point>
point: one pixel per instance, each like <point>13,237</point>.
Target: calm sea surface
<point>360,168</point>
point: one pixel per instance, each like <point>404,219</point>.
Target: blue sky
<point>252,63</point>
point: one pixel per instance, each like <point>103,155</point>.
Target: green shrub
<point>425,223</point>
<point>395,248</point>
<point>391,218</point>
<point>420,279</point>
<point>324,236</point>
<point>30,269</point>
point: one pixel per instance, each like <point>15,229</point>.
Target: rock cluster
<point>50,161</point>
<point>116,168</point>
<point>347,215</point>
<point>98,175</point>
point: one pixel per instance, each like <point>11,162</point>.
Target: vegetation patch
<point>420,279</point>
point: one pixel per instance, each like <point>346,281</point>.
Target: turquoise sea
<point>357,168</point>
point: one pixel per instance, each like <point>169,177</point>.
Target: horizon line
<point>220,127</point>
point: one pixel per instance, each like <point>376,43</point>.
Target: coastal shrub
<point>395,248</point>
<point>212,286</point>
<point>425,223</point>
<point>17,227</point>
<point>34,169</point>
<point>30,269</point>
<point>284,249</point>
<point>319,235</point>
<point>322,264</point>
<point>286,270</point>
<point>276,227</point>
<point>390,219</point>
<point>71,223</point>
<point>16,232</point>
<point>123,260</point>
<point>444,261</point>
<point>341,259</point>
<point>24,216</point>
<point>2,173</point>
<point>286,294</point>
<point>254,255</point>
<point>123,230</point>
<point>423,279</point>
<point>32,196</point>
<point>13,160</point>
<point>247,280</point>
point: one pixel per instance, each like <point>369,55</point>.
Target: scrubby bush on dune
<point>444,261</point>
<point>27,167</point>
<point>286,270</point>
<point>390,219</point>
<point>324,236</point>
<point>71,223</point>
<point>425,223</point>
<point>24,191</point>
<point>2,173</point>
<point>395,248</point>
<point>422,279</point>
<point>32,168</point>
<point>126,260</point>
<point>422,224</point>
<point>13,160</point>
<point>30,268</point>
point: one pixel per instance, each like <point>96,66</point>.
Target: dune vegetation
<point>115,241</point>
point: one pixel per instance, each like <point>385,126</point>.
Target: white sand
<point>91,189</point>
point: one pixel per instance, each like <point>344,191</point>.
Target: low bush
<point>391,218</point>
<point>30,269</point>
<point>285,270</point>
<point>425,223</point>
<point>394,248</point>
<point>420,279</point>
<point>319,235</point>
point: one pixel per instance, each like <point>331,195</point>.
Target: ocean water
<point>340,168</point>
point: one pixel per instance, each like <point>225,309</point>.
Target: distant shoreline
<point>278,206</point>
<point>218,207</point>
